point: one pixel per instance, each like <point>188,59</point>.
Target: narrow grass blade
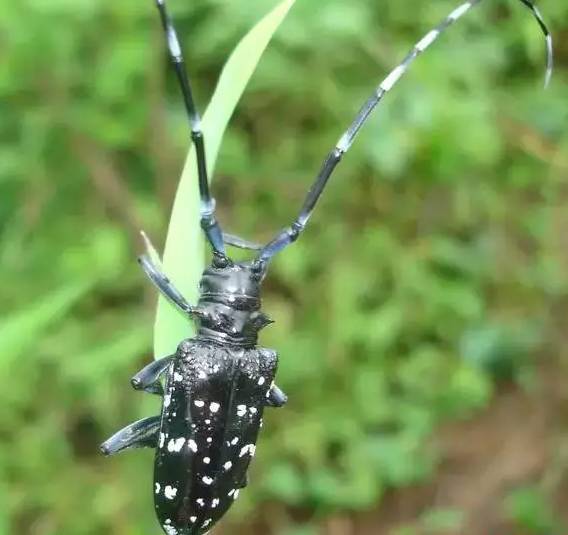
<point>184,251</point>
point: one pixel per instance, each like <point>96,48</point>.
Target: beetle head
<point>234,284</point>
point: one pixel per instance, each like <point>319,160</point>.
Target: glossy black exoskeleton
<point>217,384</point>
<point>216,387</point>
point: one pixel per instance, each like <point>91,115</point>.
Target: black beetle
<point>218,383</point>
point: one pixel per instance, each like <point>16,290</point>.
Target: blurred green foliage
<point>528,507</point>
<point>434,267</point>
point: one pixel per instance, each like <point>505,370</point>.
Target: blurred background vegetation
<point>421,320</point>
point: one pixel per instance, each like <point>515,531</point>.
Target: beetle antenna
<point>548,37</point>
<point>208,221</point>
<point>290,234</point>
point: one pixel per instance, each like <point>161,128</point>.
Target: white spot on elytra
<point>206,460</point>
<point>170,492</point>
<point>206,523</point>
<point>176,444</point>
<point>199,403</point>
<point>207,421</point>
<point>157,488</point>
<point>202,374</point>
<point>192,445</point>
<point>235,441</point>
<point>214,407</point>
<point>261,381</point>
<point>207,480</point>
<point>162,440</point>
<point>167,400</point>
<point>228,465</point>
<point>192,519</point>
<point>215,502</point>
<point>241,410</point>
<point>200,501</point>
<point>253,410</point>
<point>178,377</point>
<point>216,368</point>
<point>170,530</point>
<point>249,448</point>
<point>231,492</point>
<point>209,440</point>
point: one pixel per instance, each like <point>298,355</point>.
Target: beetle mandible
<point>218,383</point>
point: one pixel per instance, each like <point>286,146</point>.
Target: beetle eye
<point>258,270</point>
<point>221,261</point>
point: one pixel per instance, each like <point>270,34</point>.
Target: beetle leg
<point>164,284</point>
<point>154,388</point>
<point>152,266</point>
<point>140,434</point>
<point>240,243</point>
<point>276,397</point>
<point>148,378</point>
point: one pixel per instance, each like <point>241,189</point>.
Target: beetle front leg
<point>140,434</point>
<point>276,397</point>
<point>148,378</point>
<point>152,266</point>
<point>164,284</point>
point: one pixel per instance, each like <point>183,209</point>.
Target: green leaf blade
<point>184,257</point>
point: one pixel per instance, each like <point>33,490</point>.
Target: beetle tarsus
<point>140,434</point>
<point>148,378</point>
<point>276,397</point>
<point>161,281</point>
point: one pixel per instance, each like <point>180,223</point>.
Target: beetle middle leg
<point>276,397</point>
<point>148,378</point>
<point>140,434</point>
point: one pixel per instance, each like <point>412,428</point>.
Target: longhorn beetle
<point>218,383</point>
